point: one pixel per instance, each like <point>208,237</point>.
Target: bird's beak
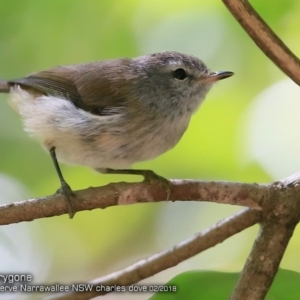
<point>216,76</point>
<point>212,77</point>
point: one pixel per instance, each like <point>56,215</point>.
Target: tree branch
<point>263,262</point>
<point>172,257</point>
<point>280,216</point>
<point>281,210</point>
<point>265,38</point>
<point>249,195</point>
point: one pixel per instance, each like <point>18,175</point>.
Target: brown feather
<point>98,87</point>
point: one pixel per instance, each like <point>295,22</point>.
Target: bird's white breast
<point>96,141</point>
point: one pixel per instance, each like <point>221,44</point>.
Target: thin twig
<point>249,195</point>
<point>265,38</point>
<point>170,258</point>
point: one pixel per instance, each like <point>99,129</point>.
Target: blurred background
<point>246,130</point>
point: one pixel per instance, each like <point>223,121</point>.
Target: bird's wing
<point>97,87</point>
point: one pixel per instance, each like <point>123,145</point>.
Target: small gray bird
<point>110,114</point>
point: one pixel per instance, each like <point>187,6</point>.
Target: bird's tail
<point>4,86</point>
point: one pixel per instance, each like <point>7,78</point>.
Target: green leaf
<point>212,285</point>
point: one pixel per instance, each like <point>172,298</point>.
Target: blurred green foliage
<point>36,35</point>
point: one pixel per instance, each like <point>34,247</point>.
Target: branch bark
<point>249,195</point>
<point>279,219</point>
<point>263,262</point>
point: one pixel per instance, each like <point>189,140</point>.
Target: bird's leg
<point>149,176</point>
<point>65,188</point>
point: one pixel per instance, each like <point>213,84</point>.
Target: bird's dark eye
<point>180,74</point>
